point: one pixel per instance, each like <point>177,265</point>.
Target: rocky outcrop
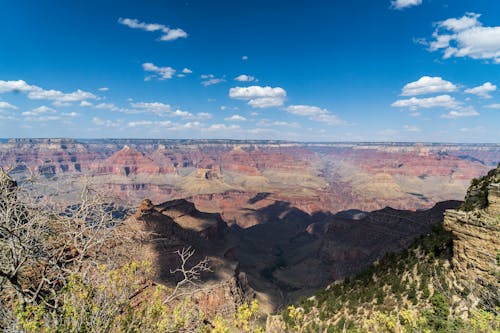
<point>128,161</point>
<point>225,297</point>
<point>476,244</point>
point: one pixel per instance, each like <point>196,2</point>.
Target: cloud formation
<point>460,113</point>
<point>414,103</point>
<point>401,4</point>
<point>210,79</point>
<point>168,34</point>
<point>37,93</point>
<point>483,90</point>
<point>259,97</point>
<point>5,105</point>
<point>314,113</point>
<point>428,85</point>
<point>466,37</point>
<point>245,78</point>
<point>235,117</point>
<point>163,73</point>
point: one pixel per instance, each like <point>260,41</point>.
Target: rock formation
<point>476,245</point>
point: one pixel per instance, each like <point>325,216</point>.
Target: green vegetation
<point>477,195</point>
<point>411,291</point>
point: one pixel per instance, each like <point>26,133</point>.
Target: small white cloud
<point>39,111</point>
<point>55,95</point>
<point>222,127</point>
<point>411,128</point>
<point>164,73</point>
<point>61,104</point>
<point>244,58</point>
<point>401,4</point>
<point>168,34</point>
<point>210,79</point>
<point>45,113</point>
<point>235,117</point>
<point>259,97</point>
<point>85,104</point>
<point>70,114</point>
<point>5,105</point>
<point>245,78</point>
<point>428,85</point>
<point>414,103</point>
<point>483,90</point>
<point>35,92</point>
<point>103,89</point>
<point>211,82</point>
<point>464,112</point>
<point>187,71</point>
<point>314,113</point>
<point>106,123</point>
<point>204,115</point>
<point>16,86</point>
<point>493,106</point>
<point>466,37</point>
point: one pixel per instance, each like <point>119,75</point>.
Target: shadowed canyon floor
<point>293,254</point>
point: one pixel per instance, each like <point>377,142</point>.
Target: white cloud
<point>35,92</point>
<point>39,110</point>
<point>106,123</point>
<point>55,95</point>
<point>210,79</point>
<point>222,127</point>
<point>244,57</point>
<point>15,86</point>
<point>411,128</point>
<point>164,73</point>
<point>5,105</point>
<point>180,113</point>
<point>314,113</point>
<point>245,78</point>
<point>187,71</point>
<point>428,85</point>
<point>103,89</point>
<point>45,113</point>
<point>168,34</point>
<point>493,106</point>
<point>270,123</point>
<point>204,115</point>
<point>460,113</point>
<point>466,37</point>
<point>400,4</point>
<point>159,109</point>
<point>235,117</point>
<point>164,124</point>
<point>85,104</point>
<point>414,103</point>
<point>259,97</point>
<point>305,110</point>
<point>482,90</point>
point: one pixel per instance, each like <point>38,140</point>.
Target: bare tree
<point>54,257</point>
<point>188,284</point>
<point>42,245</point>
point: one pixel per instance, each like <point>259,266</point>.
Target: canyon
<point>222,176</point>
<point>276,220</point>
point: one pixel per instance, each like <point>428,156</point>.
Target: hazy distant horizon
<point>3,140</point>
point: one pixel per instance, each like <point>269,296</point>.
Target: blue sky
<point>373,70</point>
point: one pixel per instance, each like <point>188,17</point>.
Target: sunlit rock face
<point>476,231</point>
